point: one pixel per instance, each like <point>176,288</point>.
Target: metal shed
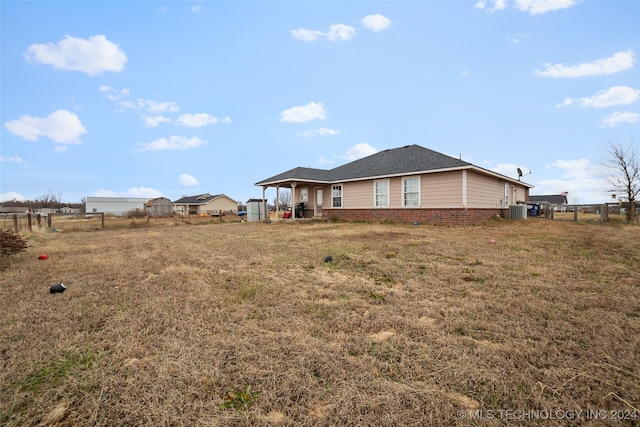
<point>159,207</point>
<point>255,210</point>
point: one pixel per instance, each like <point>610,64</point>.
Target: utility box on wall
<point>255,210</point>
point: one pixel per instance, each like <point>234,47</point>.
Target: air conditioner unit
<point>518,212</point>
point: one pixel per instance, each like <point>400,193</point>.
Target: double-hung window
<point>411,192</point>
<point>381,193</point>
<point>336,196</point>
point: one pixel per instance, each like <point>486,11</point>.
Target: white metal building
<point>118,206</point>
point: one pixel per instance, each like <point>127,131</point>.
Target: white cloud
<point>157,107</point>
<point>199,120</point>
<point>612,120</point>
<point>517,38</point>
<point>304,113</point>
<point>185,179</point>
<point>131,192</point>
<point>92,56</point>
<point>617,95</point>
<point>491,5</point>
<point>584,181</point>
<point>337,32</point>
<point>306,35</point>
<point>197,8</point>
<point>172,143</point>
<point>12,159</point>
<point>61,126</point>
<point>323,161</point>
<point>619,61</point>
<point>154,121</point>
<point>535,7</point>
<point>319,132</point>
<point>359,151</point>
<point>376,22</point>
<point>11,196</point>
<point>340,32</point>
<point>511,170</point>
<point>120,98</point>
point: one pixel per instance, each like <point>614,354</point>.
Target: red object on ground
<point>286,215</point>
<point>43,257</point>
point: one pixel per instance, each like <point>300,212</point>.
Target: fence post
<point>604,213</point>
<point>15,222</point>
<point>39,220</point>
<point>575,213</point>
<point>49,221</point>
<point>102,215</point>
<point>29,221</point>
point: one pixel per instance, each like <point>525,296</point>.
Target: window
<point>336,196</point>
<point>381,193</point>
<point>411,192</point>
<point>304,194</point>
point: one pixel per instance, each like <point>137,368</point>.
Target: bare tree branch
<point>625,179</point>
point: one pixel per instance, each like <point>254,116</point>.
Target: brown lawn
<point>245,324</point>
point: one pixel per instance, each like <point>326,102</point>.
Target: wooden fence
<point>27,221</point>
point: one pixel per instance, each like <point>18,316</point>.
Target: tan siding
<point>357,195</point>
<point>441,190</point>
<point>488,192</point>
<point>484,191</point>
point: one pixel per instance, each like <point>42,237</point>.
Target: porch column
<point>277,201</point>
<point>293,206</point>
<point>264,201</point>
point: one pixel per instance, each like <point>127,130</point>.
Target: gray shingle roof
<point>556,199</point>
<point>408,159</point>
<point>200,199</point>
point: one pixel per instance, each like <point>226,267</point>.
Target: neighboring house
<point>14,209</point>
<point>558,202</point>
<point>69,210</point>
<point>159,207</point>
<point>406,184</point>
<point>119,206</point>
<point>206,204</point>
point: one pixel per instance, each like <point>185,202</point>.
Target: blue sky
<point>151,98</point>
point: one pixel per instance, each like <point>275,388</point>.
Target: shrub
<point>10,244</point>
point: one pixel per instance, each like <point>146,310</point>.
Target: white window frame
<point>404,193</point>
<point>333,196</point>
<point>304,194</point>
<point>376,194</point>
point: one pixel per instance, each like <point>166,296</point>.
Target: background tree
<point>625,179</point>
<point>284,199</point>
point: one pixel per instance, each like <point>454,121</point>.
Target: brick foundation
<point>448,216</point>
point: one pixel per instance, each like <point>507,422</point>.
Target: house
<point>159,207</point>
<point>206,204</point>
<point>558,202</point>
<point>69,210</point>
<point>405,184</point>
<point>119,206</point>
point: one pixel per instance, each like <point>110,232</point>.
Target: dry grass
<point>244,324</point>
